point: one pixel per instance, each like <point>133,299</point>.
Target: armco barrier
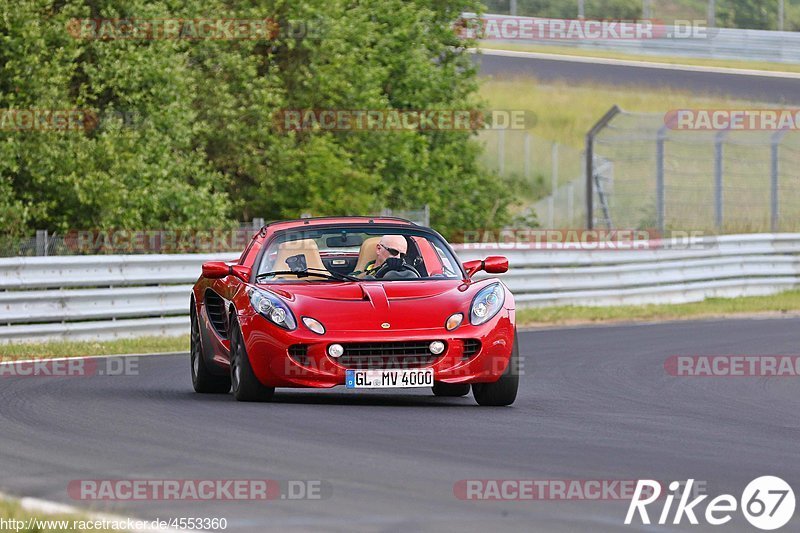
<point>97,297</point>
<point>707,43</point>
<point>101,297</point>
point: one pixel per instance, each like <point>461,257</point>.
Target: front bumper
<point>268,349</point>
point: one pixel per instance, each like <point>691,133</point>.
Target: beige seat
<point>307,247</point>
<point>368,252</point>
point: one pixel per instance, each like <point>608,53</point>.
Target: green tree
<point>751,14</point>
<point>186,135</point>
<point>114,175</point>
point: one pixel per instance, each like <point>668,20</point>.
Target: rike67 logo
<point>767,503</point>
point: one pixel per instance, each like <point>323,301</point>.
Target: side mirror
<point>494,264</point>
<point>242,272</point>
<point>473,267</point>
<point>220,269</point>
<point>216,270</point>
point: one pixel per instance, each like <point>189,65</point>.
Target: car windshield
<point>355,254</point>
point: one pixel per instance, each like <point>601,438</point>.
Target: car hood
<point>370,305</point>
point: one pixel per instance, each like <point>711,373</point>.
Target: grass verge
<point>30,522</point>
<point>777,304</point>
<point>669,60</point>
<point>82,348</point>
<point>565,112</point>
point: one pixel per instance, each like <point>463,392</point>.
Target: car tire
<point>203,380</point>
<point>244,383</point>
<point>504,390</point>
<point>450,390</point>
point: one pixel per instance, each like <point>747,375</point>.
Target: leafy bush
<point>186,137</point>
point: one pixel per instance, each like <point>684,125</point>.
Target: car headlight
<point>486,304</point>
<point>273,309</point>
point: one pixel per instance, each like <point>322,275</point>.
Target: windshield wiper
<point>309,272</point>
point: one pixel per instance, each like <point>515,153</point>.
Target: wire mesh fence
<point>648,176</point>
<point>722,181</point>
<point>548,175</point>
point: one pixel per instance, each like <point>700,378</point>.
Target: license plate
<point>389,379</point>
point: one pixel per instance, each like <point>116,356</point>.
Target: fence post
<point>597,128</point>
<point>660,211</point>
<point>775,141</point>
<point>41,242</point>
<point>712,14</point>
<point>527,150</point>
<point>581,9</point>
<point>513,8</point>
<point>570,203</point>
<point>554,168</point>
<point>646,9</point>
<point>501,152</point>
<point>719,140</point>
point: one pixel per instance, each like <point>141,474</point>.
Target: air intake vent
<point>471,347</point>
<point>216,313</point>
<point>299,354</point>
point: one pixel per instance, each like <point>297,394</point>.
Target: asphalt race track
<point>595,403</point>
<point>759,88</point>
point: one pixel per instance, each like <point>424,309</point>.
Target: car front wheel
<point>244,383</point>
<point>203,380</point>
<point>504,390</point>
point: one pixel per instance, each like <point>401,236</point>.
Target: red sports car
<point>363,302</point>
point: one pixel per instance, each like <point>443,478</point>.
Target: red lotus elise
<point>367,303</point>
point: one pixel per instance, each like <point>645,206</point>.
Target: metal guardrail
<point>101,297</point>
<point>97,297</point>
<point>717,43</point>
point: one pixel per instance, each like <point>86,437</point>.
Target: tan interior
<point>368,252</point>
<point>307,247</point>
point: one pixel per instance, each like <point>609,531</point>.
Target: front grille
<point>378,355</point>
<point>299,353</point>
<point>471,347</point>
